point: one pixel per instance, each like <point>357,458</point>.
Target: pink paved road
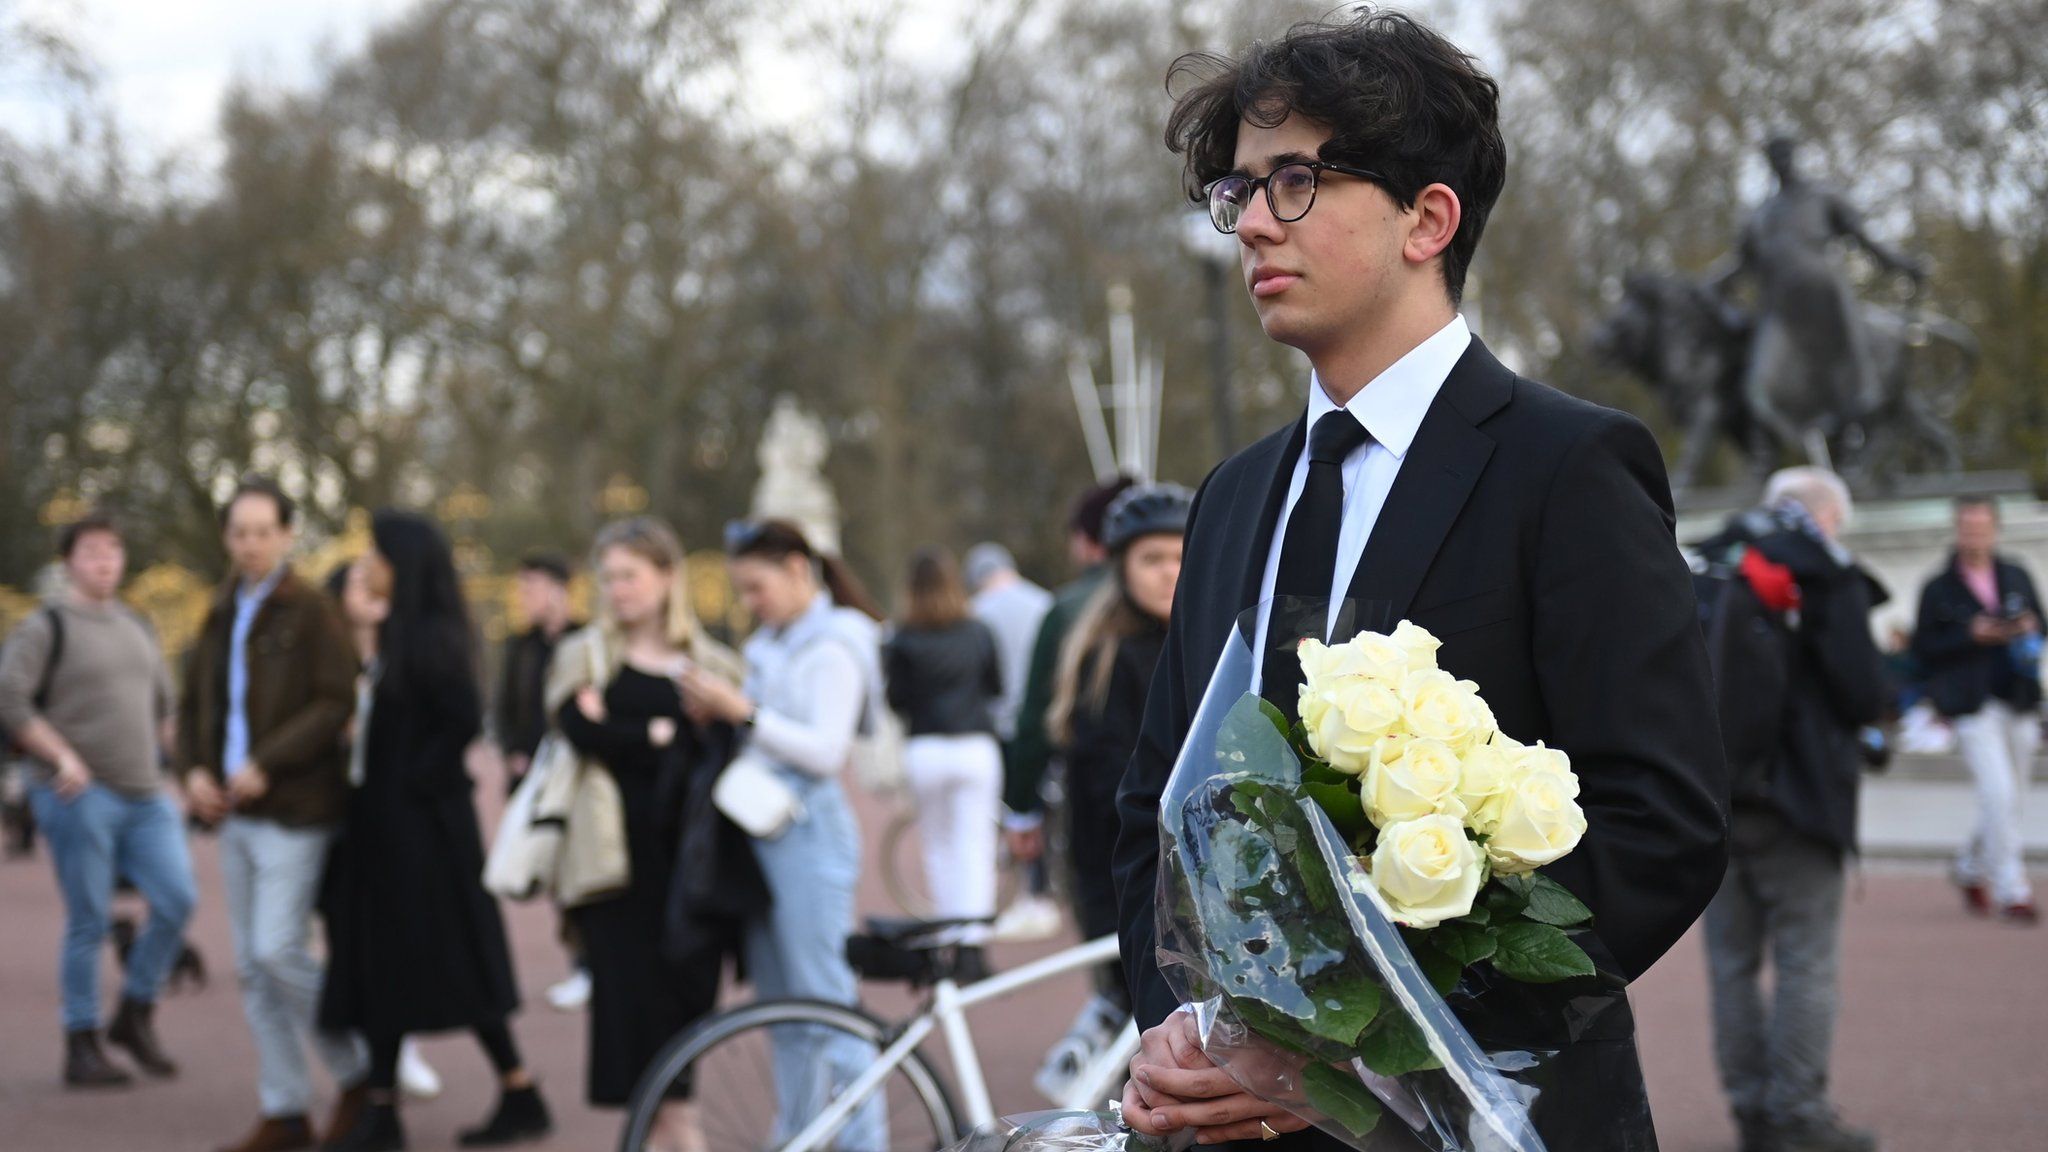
<point>1939,1049</point>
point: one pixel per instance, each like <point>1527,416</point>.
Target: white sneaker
<point>416,1077</point>
<point>572,994</point>
<point>1028,918</point>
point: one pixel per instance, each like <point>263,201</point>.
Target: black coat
<point>415,943</point>
<point>944,681</point>
<point>1960,673</point>
<point>1836,684</point>
<point>1532,533</point>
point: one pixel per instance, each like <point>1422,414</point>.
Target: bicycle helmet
<point>1146,510</point>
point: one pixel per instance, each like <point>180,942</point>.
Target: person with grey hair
<point>1794,791</point>
<point>1012,608</point>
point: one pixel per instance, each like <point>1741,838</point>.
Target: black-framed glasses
<point>1290,191</point>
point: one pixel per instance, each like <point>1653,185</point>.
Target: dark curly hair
<point>1398,98</point>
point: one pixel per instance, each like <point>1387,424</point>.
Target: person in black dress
<point>613,691</point>
<point>1105,673</point>
<point>415,943</point>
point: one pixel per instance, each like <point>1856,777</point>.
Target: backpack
<point>8,744</point>
<point>1748,614</point>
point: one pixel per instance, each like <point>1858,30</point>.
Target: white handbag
<point>523,856</point>
<point>754,797</point>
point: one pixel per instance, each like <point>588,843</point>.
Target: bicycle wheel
<point>903,874</point>
<point>725,1065</point>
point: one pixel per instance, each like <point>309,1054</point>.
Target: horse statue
<point>1694,349</point>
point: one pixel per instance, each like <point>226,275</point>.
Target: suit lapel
<point>1252,524</point>
<point>1437,476</point>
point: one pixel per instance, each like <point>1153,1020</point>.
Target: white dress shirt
<point>1391,407</point>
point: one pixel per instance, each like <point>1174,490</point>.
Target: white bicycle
<point>724,1063</point>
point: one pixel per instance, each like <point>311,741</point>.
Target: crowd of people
<point>321,736</point>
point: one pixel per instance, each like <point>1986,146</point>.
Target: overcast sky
<point>163,64</point>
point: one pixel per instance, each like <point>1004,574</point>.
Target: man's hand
<point>203,796</point>
<point>1990,631</point>
<point>2026,624</point>
<point>1174,1085</point>
<point>72,777</point>
<point>590,702</point>
<point>248,785</point>
<point>661,731</point>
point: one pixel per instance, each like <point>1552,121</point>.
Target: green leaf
<point>1539,954</point>
<point>1478,915</point>
<point>1468,944</point>
<point>1394,1046</point>
<point>1504,897</point>
<point>1272,1024</point>
<point>1253,740</point>
<point>1344,1007</point>
<point>1338,1095</point>
<point>1441,967</point>
<point>1552,903</point>
<point>1342,805</point>
<point>1317,772</point>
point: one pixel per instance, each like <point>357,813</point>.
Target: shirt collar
<point>1392,406</point>
<point>260,592</point>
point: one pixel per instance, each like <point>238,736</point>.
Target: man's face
<point>257,541</point>
<point>96,564</point>
<point>1332,271</point>
<point>1976,530</point>
<point>541,597</point>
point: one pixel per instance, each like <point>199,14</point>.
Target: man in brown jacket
<point>269,686</point>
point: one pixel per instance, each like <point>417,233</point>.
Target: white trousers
<point>958,784</point>
<point>1998,744</point>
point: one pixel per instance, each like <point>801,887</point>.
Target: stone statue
<point>1809,372</point>
<point>792,485</point>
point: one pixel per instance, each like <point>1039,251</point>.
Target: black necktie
<point>1308,557</point>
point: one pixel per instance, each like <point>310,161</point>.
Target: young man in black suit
<point>1356,162</point>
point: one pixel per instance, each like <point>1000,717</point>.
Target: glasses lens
<point>1293,189</point>
<point>1227,199</point>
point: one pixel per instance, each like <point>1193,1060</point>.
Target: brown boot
<point>134,1028</point>
<point>348,1108</point>
<point>276,1134</point>
<point>86,1065</point>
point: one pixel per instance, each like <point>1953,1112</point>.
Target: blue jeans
<point>271,874</point>
<point>798,949</point>
<point>94,839</point>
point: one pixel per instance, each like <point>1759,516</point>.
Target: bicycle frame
<point>947,1014</point>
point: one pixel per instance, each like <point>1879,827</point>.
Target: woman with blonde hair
<point>1105,673</point>
<point>613,688</point>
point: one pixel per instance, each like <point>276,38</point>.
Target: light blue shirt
<point>248,601</point>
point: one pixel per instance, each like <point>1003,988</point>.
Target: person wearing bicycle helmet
<point>1105,674</point>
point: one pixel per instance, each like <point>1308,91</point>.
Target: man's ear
<point>1432,222</point>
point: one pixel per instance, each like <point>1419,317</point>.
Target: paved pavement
<point>1938,1048</point>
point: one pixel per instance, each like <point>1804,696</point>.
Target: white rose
<point>1443,707</point>
<point>1539,819</point>
<point>1419,643</point>
<point>1484,785</point>
<point>1428,870</point>
<point>1367,656</point>
<point>1346,719</point>
<point>1423,782</point>
<point>1553,761</point>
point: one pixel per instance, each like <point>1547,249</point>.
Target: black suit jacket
<point>1532,533</point>
<point>1961,673</point>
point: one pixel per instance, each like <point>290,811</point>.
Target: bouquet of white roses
<point>1336,894</point>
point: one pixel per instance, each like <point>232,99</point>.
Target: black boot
<point>134,1028</point>
<point>376,1130</point>
<point>86,1066</point>
<point>521,1115</point>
